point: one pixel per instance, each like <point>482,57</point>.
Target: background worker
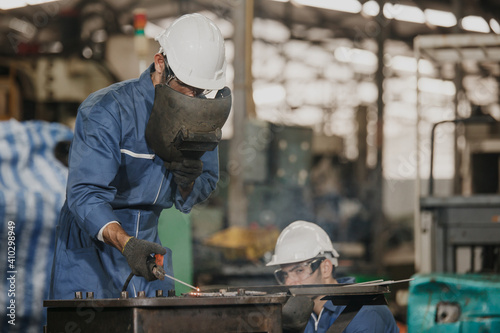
<point>117,186</point>
<point>306,256</point>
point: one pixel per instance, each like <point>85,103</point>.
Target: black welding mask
<point>182,126</point>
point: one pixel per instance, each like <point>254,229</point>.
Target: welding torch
<point>155,265</point>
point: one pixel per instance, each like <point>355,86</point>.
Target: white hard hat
<point>302,241</point>
<point>195,51</point>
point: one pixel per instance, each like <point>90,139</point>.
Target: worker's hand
<point>137,251</point>
<point>186,172</point>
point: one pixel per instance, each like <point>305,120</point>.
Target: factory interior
<point>377,120</point>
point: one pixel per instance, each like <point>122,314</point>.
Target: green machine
<point>174,229</point>
<point>454,303</point>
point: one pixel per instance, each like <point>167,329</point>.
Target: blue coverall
<point>371,318</point>
<point>115,176</point>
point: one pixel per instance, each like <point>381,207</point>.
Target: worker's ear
<point>326,268</point>
<point>159,63</point>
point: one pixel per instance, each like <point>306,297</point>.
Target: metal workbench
<point>254,309</point>
<point>166,314</point>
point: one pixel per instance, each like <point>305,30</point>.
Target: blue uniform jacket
<point>115,176</point>
<point>371,318</point>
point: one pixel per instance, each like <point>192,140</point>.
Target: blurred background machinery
<point>334,107</point>
<point>457,232</point>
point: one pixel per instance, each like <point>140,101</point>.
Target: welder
<point>306,256</point>
<point>122,174</point>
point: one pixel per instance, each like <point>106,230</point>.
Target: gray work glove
<point>296,313</point>
<point>137,252</point>
<point>186,172</point>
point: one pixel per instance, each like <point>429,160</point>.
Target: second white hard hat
<point>302,241</point>
<point>195,51</point>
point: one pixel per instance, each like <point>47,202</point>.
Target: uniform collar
<point>147,87</point>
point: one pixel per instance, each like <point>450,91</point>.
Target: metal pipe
<point>474,119</point>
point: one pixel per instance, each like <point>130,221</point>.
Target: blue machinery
<point>459,228</point>
<point>454,303</point>
<point>464,236</point>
